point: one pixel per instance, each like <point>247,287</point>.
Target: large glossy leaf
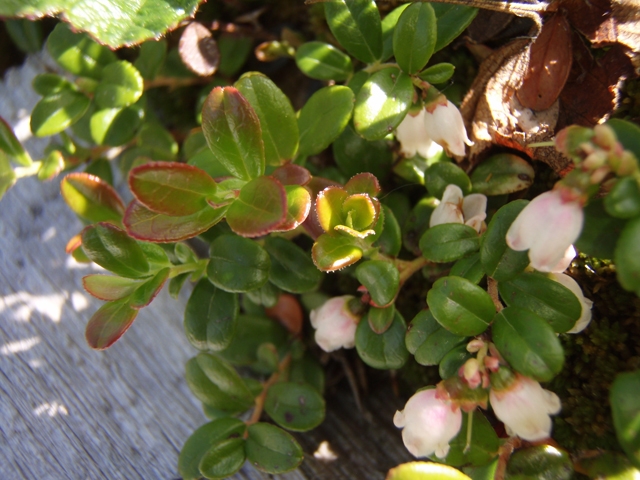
<point>54,113</point>
<point>271,449</point>
<point>292,269</point>
<point>414,37</point>
<point>624,395</point>
<point>232,130</point>
<point>91,197</point>
<point>389,23</point>
<point>385,350</point>
<point>382,103</point>
<point>439,175</point>
<point>627,256</point>
<point>298,207</point>
<point>109,323</point>
<point>425,471</point>
<point>356,25</point>
<point>115,126</point>
<point>120,85</point>
<point>540,461</point>
<point>238,264</point>
<point>295,406</point>
<point>109,287</point>
<point>381,279</point>
<point>171,188</point>
<point>323,61</point>
<point>448,242</point>
<point>223,459</point>
<point>143,224</point>
<point>452,21</point>
<point>115,23</point>
<point>277,118</point>
<point>501,174</point>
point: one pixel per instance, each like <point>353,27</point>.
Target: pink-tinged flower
<point>524,408</point>
<point>429,423</point>
<point>585,303</point>
<point>547,227</point>
<point>335,324</point>
<point>413,137</point>
<point>456,208</point>
<point>444,125</point>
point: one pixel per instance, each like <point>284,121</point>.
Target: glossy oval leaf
<point>330,253</point>
<point>232,130</point>
<point>291,269</point>
<point>382,103</point>
<point>455,358</point>
<point>469,268</point>
<point>271,449</point>
<point>385,351</point>
<point>381,279</point>
<point>356,25</point>
<point>627,257</point>
<point>109,323</point>
<point>147,291</point>
<point>623,200</point>
<point>540,461</point>
<point>484,442</point>
<point>54,113</point>
<point>389,23</point>
<point>353,154</point>
<point>380,319</point>
<point>501,174</point>
<point>460,306</point>
<point>449,242</point>
<point>298,207</point>
<point>528,343</point>
<point>414,37</point>
<point>223,459</point>
<point>422,325</point>
<point>438,73</point>
<point>91,197</point>
<point>436,345</point>
<point>120,85</point>
<point>425,471</point>
<point>439,175</point>
<point>261,207</point>
<point>625,409</point>
<point>600,231</point>
<point>295,406</point>
<point>323,61</point>
<point>237,264</point>
<point>109,287</point>
<point>390,242</point>
<point>452,21</point>
<point>115,126</point>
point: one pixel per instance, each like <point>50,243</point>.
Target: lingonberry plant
<point>372,179</point>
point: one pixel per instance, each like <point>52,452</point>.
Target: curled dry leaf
<point>199,50</point>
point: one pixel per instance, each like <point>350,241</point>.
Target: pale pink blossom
<point>335,324</point>
<point>524,408</point>
<point>444,125</point>
<point>585,303</point>
<point>456,208</point>
<point>547,227</point>
<point>413,137</point>
<point>429,424</point>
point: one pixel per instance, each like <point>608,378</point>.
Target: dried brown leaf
<point>199,50</point>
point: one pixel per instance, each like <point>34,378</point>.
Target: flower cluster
<point>456,208</point>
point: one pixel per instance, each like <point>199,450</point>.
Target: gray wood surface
<point>68,412</point>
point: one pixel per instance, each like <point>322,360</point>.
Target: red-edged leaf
<point>109,323</point>
<point>259,209</point>
<point>363,183</point>
<point>331,253</point>
<point>91,197</point>
<point>298,207</point>
<point>171,188</point>
<point>329,207</point>
<point>292,174</point>
<point>143,224</point>
<point>232,130</point>
<point>549,64</point>
<point>312,225</point>
<point>146,292</point>
<point>109,287</point>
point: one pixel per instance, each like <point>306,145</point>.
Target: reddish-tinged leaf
<point>288,312</point>
<point>171,188</point>
<point>593,19</point>
<point>331,253</point>
<point>259,209</point>
<point>109,323</point>
<point>110,287</point>
<point>92,198</point>
<point>298,207</point>
<point>146,292</point>
<point>363,183</point>
<point>199,50</point>
<point>312,224</point>
<point>549,64</point>
<point>232,130</point>
<point>143,224</point>
<point>292,174</point>
<point>329,207</point>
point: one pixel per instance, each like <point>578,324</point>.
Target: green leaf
<point>51,166</point>
<point>202,440</point>
<point>238,264</point>
<point>353,154</point>
<point>382,103</point>
<point>625,409</point>
<point>114,250</point>
<point>501,174</point>
<point>541,461</point>
<point>144,224</point>
<point>91,197</point>
<point>298,207</point>
<point>460,306</point>
<point>295,406</point>
<point>609,466</point>
<point>469,268</point>
<point>76,52</point>
<point>232,130</point>
<point>425,471</point>
<point>438,73</point>
<point>260,208</point>
<point>277,119</point>
<point>384,351</point>
<point>116,23</point>
<point>271,449</point>
<point>109,287</point>
<point>323,118</point>
<point>449,242</point>
<point>528,343</point>
<point>234,50</point>
<point>600,231</point>
<point>146,292</point>
<point>10,145</point>
<point>422,325</point>
<point>455,358</point>
<point>120,85</point>
<point>390,242</point>
<point>623,200</point>
<point>115,126</point>
<point>292,269</point>
<point>329,207</point>
<point>308,370</point>
<point>380,319</point>
<point>452,21</point>
<point>498,260</point>
<point>417,224</point>
<point>323,61</point>
<point>330,253</point>
<point>436,345</point>
<point>25,33</point>
<point>414,37</point>
<point>210,317</point>
<point>356,25</point>
<point>388,26</point>
<point>171,188</point>
<point>545,297</point>
<point>109,323</point>
<point>216,383</point>
<point>628,134</point>
<point>484,443</point>
<point>151,58</point>
<point>54,113</point>
<point>441,174</point>
<point>223,459</point>
<point>7,175</point>
<point>381,279</point>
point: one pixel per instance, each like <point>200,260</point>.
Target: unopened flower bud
<point>475,345</point>
<point>599,175</point>
<point>605,137</point>
<point>335,324</point>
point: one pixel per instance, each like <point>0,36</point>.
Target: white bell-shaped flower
<point>456,208</point>
<point>445,126</point>
<point>335,324</point>
<point>547,227</point>
<point>524,408</point>
<point>413,137</point>
<point>585,303</point>
<point>429,424</point>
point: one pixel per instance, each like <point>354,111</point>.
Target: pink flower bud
<point>429,423</point>
<point>414,138</point>
<point>444,125</point>
<point>335,324</point>
<point>455,208</point>
<point>547,227</point>
<point>585,303</point>
<point>524,408</point>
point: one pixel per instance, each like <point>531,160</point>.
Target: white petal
<point>474,204</point>
<point>452,194</point>
<point>585,303</point>
<point>413,137</point>
<point>446,213</point>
